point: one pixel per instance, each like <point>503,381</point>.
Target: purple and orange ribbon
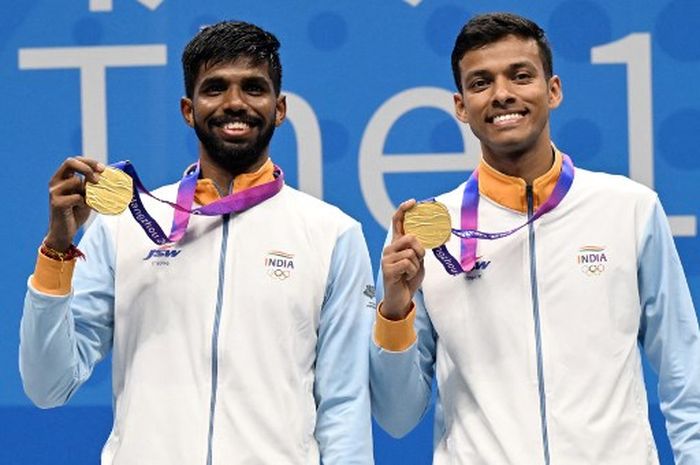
<point>232,203</point>
<point>469,233</point>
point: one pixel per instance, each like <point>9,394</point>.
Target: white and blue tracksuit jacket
<point>244,343</point>
<point>537,351</point>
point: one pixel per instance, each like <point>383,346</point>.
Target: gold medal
<point>111,194</point>
<point>429,222</point>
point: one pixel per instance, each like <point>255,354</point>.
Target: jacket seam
<point>215,338</point>
<point>538,329</point>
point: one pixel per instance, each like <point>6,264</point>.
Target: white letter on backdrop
<point>92,63</point>
<point>373,164</point>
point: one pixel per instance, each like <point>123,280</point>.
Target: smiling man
<point>242,342</point>
<point>534,332</point>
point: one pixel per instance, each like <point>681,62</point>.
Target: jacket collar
<point>207,192</point>
<point>510,191</point>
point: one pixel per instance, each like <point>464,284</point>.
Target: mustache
<point>238,117</point>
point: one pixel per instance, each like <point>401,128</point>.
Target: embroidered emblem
<point>371,292</point>
<point>592,260</point>
<point>280,265</point>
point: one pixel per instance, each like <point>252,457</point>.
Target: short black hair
<point>229,41</point>
<point>486,29</point>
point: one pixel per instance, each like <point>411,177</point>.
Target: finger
<point>91,162</point>
<point>405,242</point>
<point>69,186</point>
<point>415,245</point>
<point>404,254</point>
<point>95,166</point>
<point>82,165</point>
<point>403,270</point>
<point>65,202</point>
<point>390,258</point>
<point>397,219</point>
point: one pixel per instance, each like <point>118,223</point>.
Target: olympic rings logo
<point>279,274</point>
<point>593,269</point>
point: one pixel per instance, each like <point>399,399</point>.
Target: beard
<point>234,157</point>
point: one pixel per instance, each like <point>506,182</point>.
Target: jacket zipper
<point>536,318</point>
<point>215,336</point>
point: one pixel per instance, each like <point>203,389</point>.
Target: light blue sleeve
<point>63,337</point>
<point>401,381</point>
<point>344,425</point>
<point>670,337</point>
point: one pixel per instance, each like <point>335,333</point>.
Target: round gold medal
<point>429,222</point>
<point>111,194</point>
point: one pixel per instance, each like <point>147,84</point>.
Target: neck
<point>527,165</point>
<point>222,177</point>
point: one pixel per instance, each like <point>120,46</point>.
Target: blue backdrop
<point>370,124</point>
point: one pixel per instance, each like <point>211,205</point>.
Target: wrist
<point>64,254</point>
<point>57,244</point>
<point>393,311</point>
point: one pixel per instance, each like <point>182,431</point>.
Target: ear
<point>187,110</point>
<point>555,92</point>
<point>280,109</point>
<point>460,108</point>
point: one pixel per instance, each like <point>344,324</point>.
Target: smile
<point>233,128</point>
<point>236,126</point>
<point>506,118</point>
<point>235,131</point>
<point>240,121</point>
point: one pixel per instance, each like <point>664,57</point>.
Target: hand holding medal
<point>401,267</point>
<point>68,210</point>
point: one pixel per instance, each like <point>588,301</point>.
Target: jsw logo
<point>479,267</point>
<point>157,253</point>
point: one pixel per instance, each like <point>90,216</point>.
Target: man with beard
<point>242,342</point>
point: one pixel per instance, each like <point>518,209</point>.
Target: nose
<point>234,99</point>
<point>502,92</point>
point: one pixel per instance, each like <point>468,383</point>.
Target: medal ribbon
<point>232,203</point>
<point>469,219</point>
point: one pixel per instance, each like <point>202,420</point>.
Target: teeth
<point>236,125</point>
<point>508,117</point>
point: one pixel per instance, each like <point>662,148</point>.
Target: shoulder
<point>313,210</point>
<point>612,184</point>
<point>324,231</point>
<point>613,196</point>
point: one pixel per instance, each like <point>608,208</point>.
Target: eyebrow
<point>523,64</point>
<point>211,80</point>
<point>513,66</point>
<point>476,72</point>
<point>253,79</point>
<point>260,80</point>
